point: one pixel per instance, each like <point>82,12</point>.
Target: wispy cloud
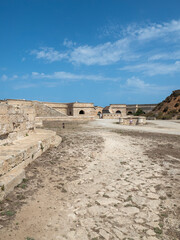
<point>58,76</point>
<point>49,54</point>
<point>152,69</point>
<point>72,76</point>
<point>69,43</point>
<point>135,44</point>
<point>146,31</point>
<point>4,77</point>
<point>166,56</point>
<point>102,54</point>
<point>138,85</point>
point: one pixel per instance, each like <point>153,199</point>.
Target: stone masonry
<point>20,143</point>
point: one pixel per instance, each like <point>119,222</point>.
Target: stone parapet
<point>132,120</point>
<point>15,157</point>
<point>41,120</point>
<point>111,115</point>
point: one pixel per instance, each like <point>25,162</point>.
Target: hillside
<point>169,108</point>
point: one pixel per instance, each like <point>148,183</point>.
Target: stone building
<point>81,109</point>
<point>76,109</point>
<point>131,109</point>
<point>115,109</point>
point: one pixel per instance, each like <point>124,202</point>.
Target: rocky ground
<point>100,183</point>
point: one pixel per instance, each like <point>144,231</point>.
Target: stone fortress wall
<point>60,107</point>
<point>15,122</point>
<point>20,141</point>
<point>80,110</point>
<point>131,109</point>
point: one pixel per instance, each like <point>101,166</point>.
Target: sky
<point>100,51</point>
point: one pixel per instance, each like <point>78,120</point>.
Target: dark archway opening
<point>81,112</point>
<point>118,111</point>
<point>99,113</point>
<point>129,113</point>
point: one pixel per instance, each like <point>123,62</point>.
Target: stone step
<point>15,157</point>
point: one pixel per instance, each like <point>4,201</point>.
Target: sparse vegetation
<point>139,112</point>
<point>158,230</point>
<point>41,146</point>
<point>167,109</point>
<point>8,213</point>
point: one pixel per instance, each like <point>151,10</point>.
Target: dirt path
<point>98,184</point>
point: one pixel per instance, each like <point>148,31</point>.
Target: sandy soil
<point>104,181</point>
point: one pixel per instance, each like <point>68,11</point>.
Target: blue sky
<point>100,51</point>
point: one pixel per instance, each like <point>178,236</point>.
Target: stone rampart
<point>40,121</point>
<point>60,107</point>
<point>20,142</point>
<point>43,110</point>
<point>111,115</point>
<point>144,107</point>
<point>15,122</point>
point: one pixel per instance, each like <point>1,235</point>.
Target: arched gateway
<point>81,112</point>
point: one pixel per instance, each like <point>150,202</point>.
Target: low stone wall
<point>15,157</point>
<point>20,143</point>
<point>132,120</point>
<point>15,122</point>
<point>111,115</point>
<point>41,120</point>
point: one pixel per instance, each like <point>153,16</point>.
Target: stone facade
<point>81,109</point>
<point>98,111</point>
<point>15,122</point>
<point>60,107</point>
<point>131,109</point>
<point>76,108</point>
<point>113,110</point>
<point>20,142</point>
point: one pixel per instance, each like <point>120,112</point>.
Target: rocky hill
<point>169,108</point>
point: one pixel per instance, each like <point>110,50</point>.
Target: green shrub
<point>139,112</point>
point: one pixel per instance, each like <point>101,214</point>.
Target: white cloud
<point>152,69</point>
<point>71,76</point>
<point>147,31</point>
<point>135,84</point>
<point>14,77</point>
<point>68,43</point>
<point>49,54</point>
<point>132,45</point>
<point>165,56</point>
<point>159,30</point>
<point>102,54</point>
<point>4,77</point>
